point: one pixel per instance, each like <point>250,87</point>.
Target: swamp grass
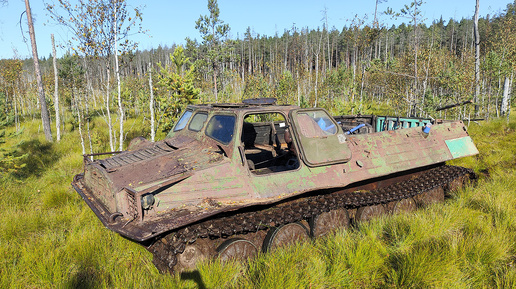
<point>49,238</point>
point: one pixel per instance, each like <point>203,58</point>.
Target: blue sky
<point>170,22</point>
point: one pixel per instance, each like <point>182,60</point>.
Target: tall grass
<point>49,238</point>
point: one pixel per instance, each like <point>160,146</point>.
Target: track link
<point>166,248</point>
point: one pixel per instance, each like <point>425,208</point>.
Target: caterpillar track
<point>166,249</point>
<point>234,179</point>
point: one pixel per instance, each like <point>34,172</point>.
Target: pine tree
<point>175,88</point>
<point>213,32</point>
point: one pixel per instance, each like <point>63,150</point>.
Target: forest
<point>407,70</point>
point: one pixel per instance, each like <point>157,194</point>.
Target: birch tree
<point>477,58</point>
<point>151,105</point>
<point>56,90</point>
<point>101,29</point>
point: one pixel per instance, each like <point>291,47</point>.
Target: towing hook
<point>112,217</point>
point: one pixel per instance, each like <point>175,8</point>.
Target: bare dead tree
<point>477,59</point>
<point>45,118</point>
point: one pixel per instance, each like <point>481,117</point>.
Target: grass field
<point>49,238</point>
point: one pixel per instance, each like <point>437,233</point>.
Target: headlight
<point>147,201</point>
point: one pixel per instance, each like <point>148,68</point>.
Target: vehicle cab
<point>266,138</point>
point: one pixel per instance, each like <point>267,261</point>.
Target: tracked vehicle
<point>231,180</point>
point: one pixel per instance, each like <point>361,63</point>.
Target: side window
<point>183,120</point>
<point>198,121</point>
<point>221,128</point>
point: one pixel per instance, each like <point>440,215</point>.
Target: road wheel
<point>327,222</point>
<point>404,205</point>
<point>284,235</point>
<point>369,212</point>
<point>237,249</point>
<point>435,195</point>
<point>193,254</point>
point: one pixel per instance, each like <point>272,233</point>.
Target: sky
<point>169,22</point>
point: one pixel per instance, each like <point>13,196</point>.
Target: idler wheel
<point>404,205</point>
<point>328,222</point>
<point>284,235</point>
<point>435,195</point>
<point>193,254</point>
<point>237,249</point>
<point>369,212</point>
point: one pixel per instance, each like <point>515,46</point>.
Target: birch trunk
<point>505,99</point>
<point>477,59</point>
<point>56,90</point>
<point>80,127</point>
<point>151,105</point>
<point>16,118</point>
<point>110,125</point>
<point>509,98</point>
<point>317,69</point>
<point>117,72</point>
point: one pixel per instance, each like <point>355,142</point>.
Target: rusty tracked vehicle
<point>233,179</point>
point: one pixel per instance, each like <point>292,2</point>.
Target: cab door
<point>319,138</point>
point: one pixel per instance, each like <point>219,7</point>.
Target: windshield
<point>221,128</point>
<point>183,120</point>
<point>198,121</point>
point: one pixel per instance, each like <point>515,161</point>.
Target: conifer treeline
<point>412,69</point>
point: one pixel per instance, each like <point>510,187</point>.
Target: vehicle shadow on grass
<point>194,276</point>
<point>83,279</point>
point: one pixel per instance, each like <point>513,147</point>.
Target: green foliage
<point>213,32</point>
<point>179,59</point>
<point>256,87</point>
<point>174,89</point>
<point>229,93</point>
<point>10,74</point>
<point>363,64</point>
<point>97,24</point>
<point>70,71</point>
<point>337,83</point>
<point>411,11</point>
<point>340,107</point>
<point>12,159</point>
<point>7,115</point>
<point>211,27</point>
<point>495,65</point>
<point>135,96</point>
<point>285,89</point>
<point>39,156</point>
<point>497,139</point>
<point>71,74</point>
